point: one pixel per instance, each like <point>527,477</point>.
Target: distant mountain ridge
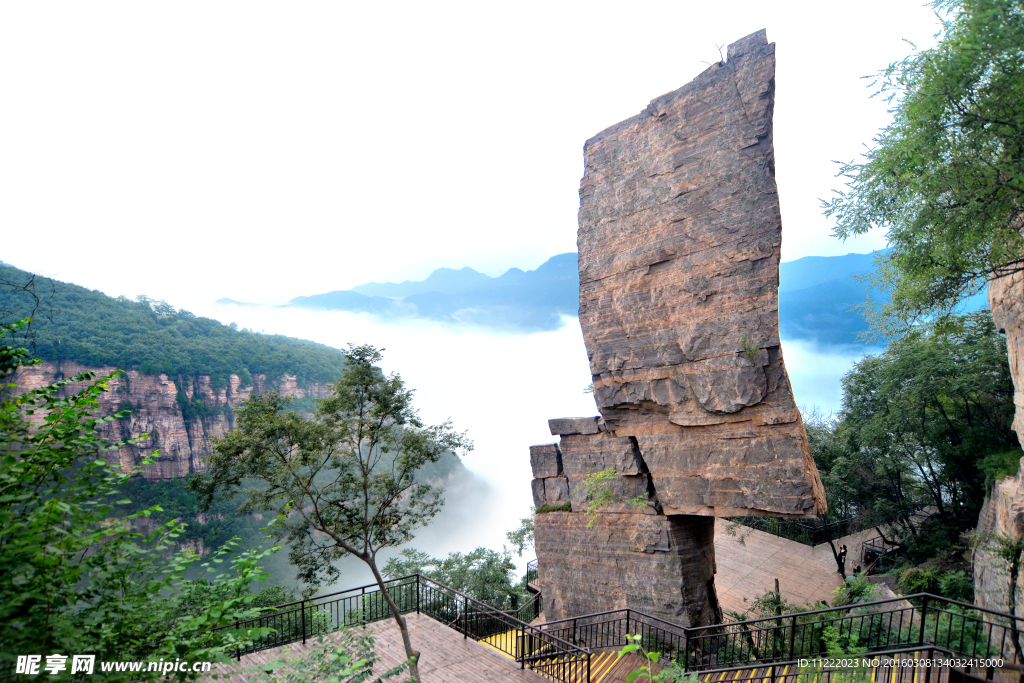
<point>527,300</point>
<point>816,295</point>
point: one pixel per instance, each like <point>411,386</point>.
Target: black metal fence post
<point>465,618</point>
<point>417,594</point>
<point>303,617</point>
<point>924,610</point>
<point>239,650</point>
<point>792,639</point>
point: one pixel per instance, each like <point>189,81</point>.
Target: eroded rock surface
<point>1003,512</point>
<point>178,444</point>
<point>679,245</point>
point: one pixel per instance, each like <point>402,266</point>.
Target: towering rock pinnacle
<point>679,242</point>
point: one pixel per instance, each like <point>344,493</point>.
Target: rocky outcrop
<point>1003,513</point>
<point>178,443</point>
<point>679,243</point>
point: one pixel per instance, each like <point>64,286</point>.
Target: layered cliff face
<point>679,243</point>
<point>183,441</point>
<point>1003,513</point>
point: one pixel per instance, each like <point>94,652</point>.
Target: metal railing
<point>531,571</point>
<point>815,534</point>
<point>881,625</point>
<point>802,532</point>
<point>915,621</point>
<point>532,648</point>
<point>531,610</point>
<point>609,630</point>
<point>561,650</point>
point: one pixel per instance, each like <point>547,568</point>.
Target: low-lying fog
<point>502,389</point>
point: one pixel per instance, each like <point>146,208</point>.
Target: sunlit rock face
<point>679,243</point>
<point>176,446</point>
<point>1003,512</point>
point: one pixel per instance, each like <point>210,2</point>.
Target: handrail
<point>498,611</point>
<point>616,611</point>
<point>546,653</point>
<point>753,643</point>
<point>859,605</point>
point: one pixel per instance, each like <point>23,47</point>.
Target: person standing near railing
<point>842,560</point>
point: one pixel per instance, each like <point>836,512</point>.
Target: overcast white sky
<point>261,151</point>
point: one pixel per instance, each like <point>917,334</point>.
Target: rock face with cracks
<point>679,243</point>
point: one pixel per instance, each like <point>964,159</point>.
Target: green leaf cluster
<point>483,574</point>
<point>344,480</point>
<point>917,425</point>
<point>946,178</point>
<point>73,578</point>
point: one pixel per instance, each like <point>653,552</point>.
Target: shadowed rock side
<point>679,245</point>
<point>662,566</point>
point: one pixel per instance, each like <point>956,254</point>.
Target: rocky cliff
<point>1003,512</point>
<point>679,243</point>
<point>179,416</point>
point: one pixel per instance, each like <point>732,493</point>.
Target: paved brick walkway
<point>447,656</point>
<point>749,568</point>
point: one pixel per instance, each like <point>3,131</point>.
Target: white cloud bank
<point>502,389</point>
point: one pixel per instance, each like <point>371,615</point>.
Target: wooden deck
<point>446,656</point>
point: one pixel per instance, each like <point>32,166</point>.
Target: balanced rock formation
<point>679,243</point>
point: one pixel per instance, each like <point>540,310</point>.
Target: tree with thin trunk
<point>345,479</point>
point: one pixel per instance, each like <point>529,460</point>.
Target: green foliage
<point>996,466</point>
<point>916,580</point>
<point>522,537</point>
<point>346,479</point>
<point>917,421</point>
<point>669,672</point>
<point>596,489</point>
<point>564,507</point>
<point>74,578</point>
<point>957,586</point>
<point>483,574</point>
<point>348,657</point>
<point>855,589</point>
<point>946,177</point>
<point>151,337</point>
<point>766,604</point>
<point>172,500</point>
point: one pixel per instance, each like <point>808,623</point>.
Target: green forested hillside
<point>74,323</point>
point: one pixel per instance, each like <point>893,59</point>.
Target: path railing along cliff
<point>561,650</point>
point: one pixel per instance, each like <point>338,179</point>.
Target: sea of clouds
<point>501,388</point>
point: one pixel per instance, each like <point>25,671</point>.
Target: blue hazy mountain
<point>816,297</point>
<point>817,293</point>
<point>517,299</point>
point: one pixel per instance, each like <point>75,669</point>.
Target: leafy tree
<point>918,419</point>
<point>346,478</point>
<point>946,178</point>
<point>74,579</point>
<point>522,537</point>
<point>483,574</point>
